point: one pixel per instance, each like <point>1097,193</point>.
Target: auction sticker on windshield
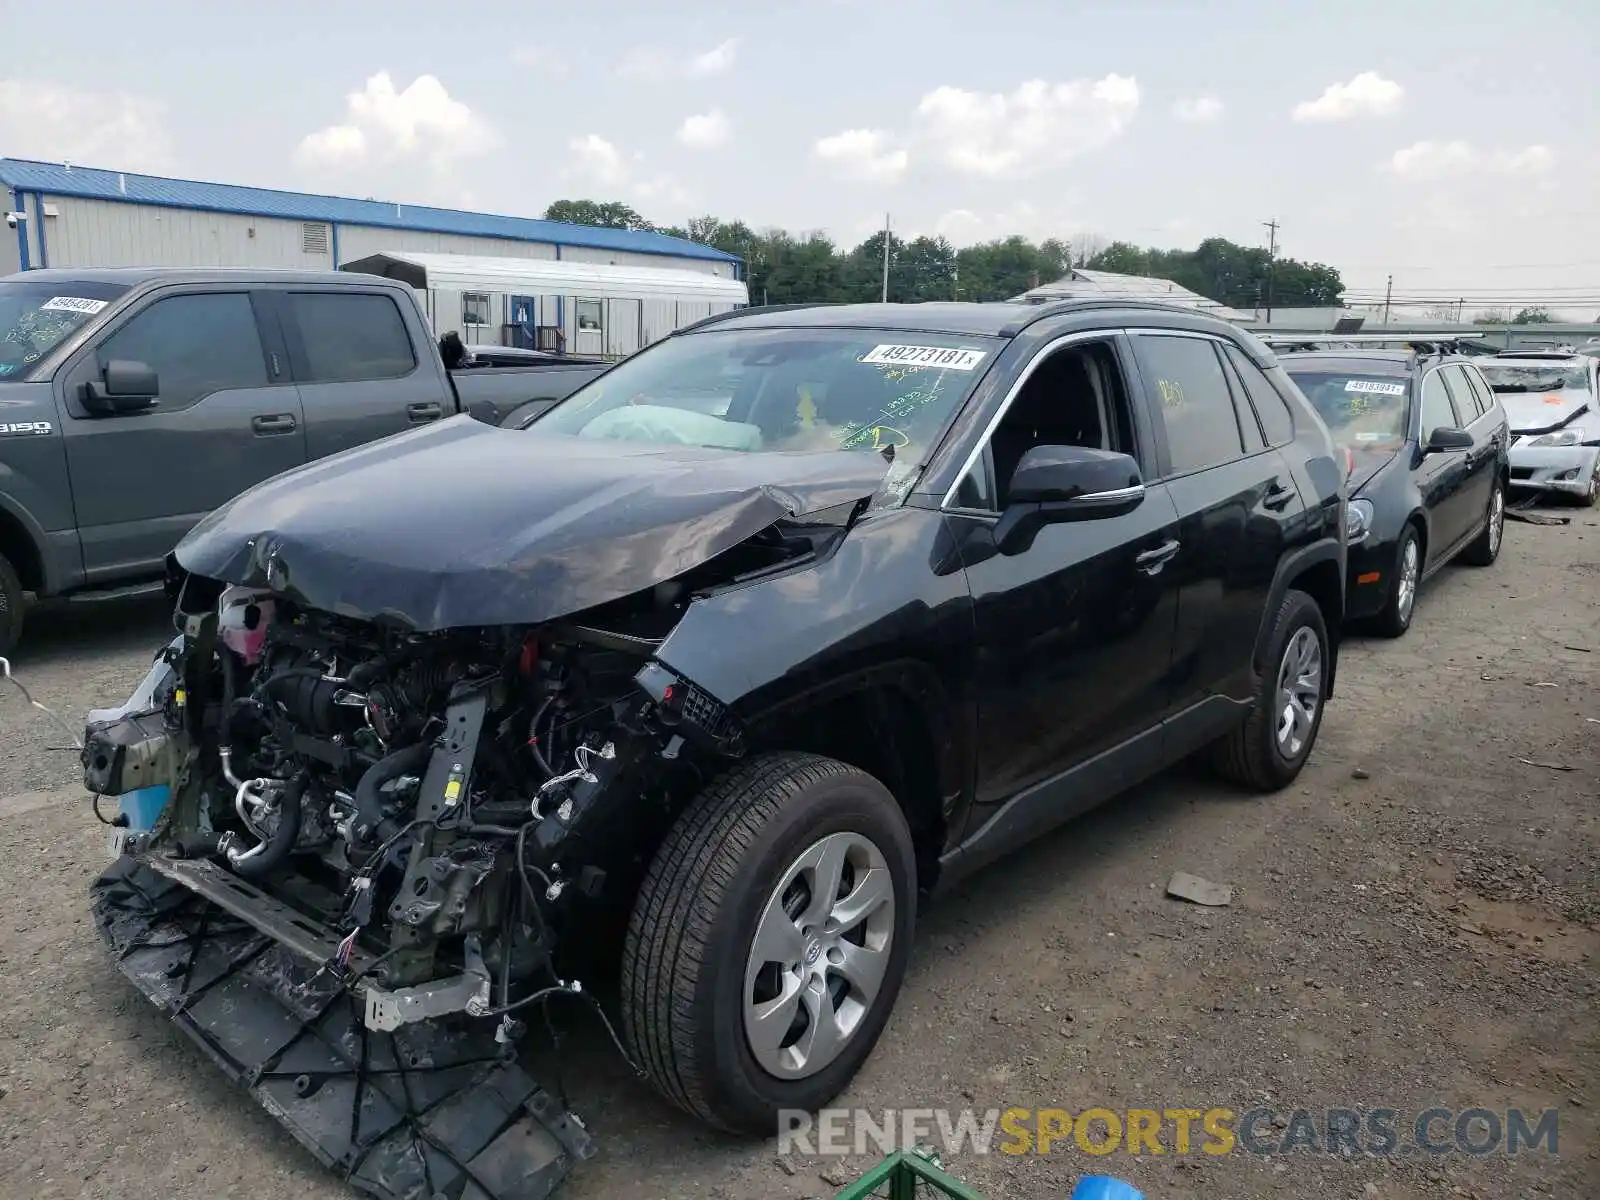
<point>925,356</point>
<point>73,304</point>
<point>1375,387</point>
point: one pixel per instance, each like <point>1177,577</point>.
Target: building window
<point>589,317</point>
<point>475,309</point>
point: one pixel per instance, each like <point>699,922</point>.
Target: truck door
<point>226,417</point>
<point>356,365</point>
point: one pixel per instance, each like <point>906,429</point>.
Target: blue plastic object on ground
<point>1103,1187</point>
<point>144,806</point>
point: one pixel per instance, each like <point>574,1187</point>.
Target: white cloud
<point>539,58</point>
<point>1442,159</point>
<point>1367,95</point>
<point>598,164</point>
<point>867,154</point>
<point>716,61</point>
<point>994,135</point>
<point>595,160</point>
<point>59,123</point>
<point>1198,110</point>
<point>654,63</point>
<point>965,227</point>
<point>1019,133</point>
<point>382,125</point>
<point>705,131</point>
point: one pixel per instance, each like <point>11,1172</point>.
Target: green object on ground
<point>915,1174</point>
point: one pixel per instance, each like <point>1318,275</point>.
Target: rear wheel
<point>1485,548</point>
<point>10,606</point>
<point>769,940</point>
<point>1395,618</point>
<point>1268,750</point>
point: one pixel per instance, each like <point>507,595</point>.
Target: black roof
<point>134,276</point>
<point>999,319</point>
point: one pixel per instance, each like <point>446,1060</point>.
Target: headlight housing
<point>1357,521</point>
<point>1572,435</point>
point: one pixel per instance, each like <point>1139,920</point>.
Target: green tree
<point>608,214</point>
<point>1533,316</point>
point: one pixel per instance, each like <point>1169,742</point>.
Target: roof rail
<point>718,318</point>
<point>1054,308</point>
<point>1422,343</point>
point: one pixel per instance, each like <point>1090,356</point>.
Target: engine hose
<point>283,837</point>
<point>368,798</point>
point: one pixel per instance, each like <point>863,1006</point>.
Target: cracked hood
<point>461,523</point>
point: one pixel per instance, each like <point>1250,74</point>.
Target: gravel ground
<point>1415,923</point>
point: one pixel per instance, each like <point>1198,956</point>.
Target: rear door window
<point>1480,389</point>
<point>1273,410</point>
<point>1184,377</point>
<point>1249,426</point>
<point>1468,406</point>
<point>348,337</point>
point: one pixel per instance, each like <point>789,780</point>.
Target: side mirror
<point>1053,484</point>
<point>124,386</point>
<point>1445,438</point>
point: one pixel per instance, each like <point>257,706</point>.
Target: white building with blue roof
<point>66,215</point>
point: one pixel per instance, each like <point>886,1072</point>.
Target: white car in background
<point>1550,398</point>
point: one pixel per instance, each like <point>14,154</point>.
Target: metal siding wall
<point>359,241</point>
<point>660,319</point>
<point>103,233</point>
<point>10,257</point>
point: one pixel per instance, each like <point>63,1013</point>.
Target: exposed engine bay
<point>379,845</point>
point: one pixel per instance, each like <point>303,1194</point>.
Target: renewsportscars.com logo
<point>1380,1132</point>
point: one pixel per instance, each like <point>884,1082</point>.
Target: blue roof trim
<point>93,184</point>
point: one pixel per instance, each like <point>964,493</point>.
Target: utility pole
<point>886,258</point>
<point>1272,254</point>
<point>1388,292</point>
<point>1461,306</point>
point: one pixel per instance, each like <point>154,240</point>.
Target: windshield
<point>782,389</point>
<point>1536,376</point>
<point>1364,412</point>
<point>35,318</point>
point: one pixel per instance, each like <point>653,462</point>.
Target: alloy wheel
<point>1410,569</point>
<point>819,955</point>
<point>1299,692</point>
<point>1497,520</point>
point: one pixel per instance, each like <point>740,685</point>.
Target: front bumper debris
<point>1552,468</point>
<point>429,1110</point>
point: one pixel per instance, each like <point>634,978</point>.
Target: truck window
<point>196,345</point>
<point>350,336</point>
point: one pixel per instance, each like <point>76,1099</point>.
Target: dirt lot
<point>1416,923</point>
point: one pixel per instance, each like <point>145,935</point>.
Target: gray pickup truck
<point>133,402</point>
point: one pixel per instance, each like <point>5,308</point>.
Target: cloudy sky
<point>1451,143</point>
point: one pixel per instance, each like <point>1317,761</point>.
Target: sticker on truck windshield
<point>73,304</point>
<point>925,356</point>
<point>24,428</point>
<point>1374,387</point>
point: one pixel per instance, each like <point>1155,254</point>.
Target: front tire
<point>1485,548</point>
<point>11,608</point>
<point>1396,616</point>
<point>1266,752</point>
<point>769,941</point>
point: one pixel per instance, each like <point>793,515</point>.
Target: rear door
<point>355,361</point>
<point>1475,407</point>
<point>227,417</point>
<point>1443,476</point>
<point>1238,508</point>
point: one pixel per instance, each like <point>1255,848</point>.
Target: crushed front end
<point>381,853</point>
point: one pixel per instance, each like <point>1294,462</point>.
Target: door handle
<point>1151,561</point>
<point>419,413</point>
<point>1278,497</point>
<point>273,423</point>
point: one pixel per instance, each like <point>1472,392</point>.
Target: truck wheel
<point>1268,750</point>
<point>769,941</point>
<point>10,607</point>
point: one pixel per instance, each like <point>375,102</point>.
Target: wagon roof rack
<point>1423,343</point>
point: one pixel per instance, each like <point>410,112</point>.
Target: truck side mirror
<point>124,386</point>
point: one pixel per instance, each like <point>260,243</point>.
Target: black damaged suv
<point>789,619</point>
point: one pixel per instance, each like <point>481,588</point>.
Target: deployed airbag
<point>672,426</point>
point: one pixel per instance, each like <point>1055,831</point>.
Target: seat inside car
<point>1062,404</point>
